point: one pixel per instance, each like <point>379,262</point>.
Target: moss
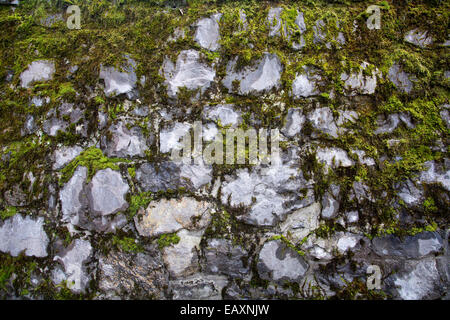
<point>168,239</point>
<point>287,243</point>
<point>140,201</point>
<point>127,244</point>
<point>8,212</point>
<point>94,160</point>
<point>132,172</point>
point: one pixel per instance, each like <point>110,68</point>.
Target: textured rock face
<point>124,142</point>
<point>419,281</point>
<point>91,206</point>
<point>294,123</point>
<point>181,259</point>
<point>225,113</point>
<point>19,234</point>
<point>418,38</point>
<point>413,247</point>
<point>73,262</point>
<point>222,257</point>
<point>198,287</point>
<point>64,155</point>
<point>207,34</point>
<point>167,216</point>
<point>40,70</point>
<point>107,192</point>
<point>400,78</point>
<point>322,119</point>
<point>357,83</point>
<point>334,157</point>
<point>118,82</point>
<point>132,275</point>
<point>306,84</point>
<point>267,192</point>
<point>262,77</point>
<point>188,72</point>
<point>280,263</point>
<point>95,204</point>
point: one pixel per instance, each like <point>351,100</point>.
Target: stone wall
<point>92,205</point>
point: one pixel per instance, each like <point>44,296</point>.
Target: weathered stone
<point>40,70</point>
<point>278,262</point>
<point>198,287</point>
<point>358,83</point>
<point>330,202</point>
<point>118,82</point>
<point>269,192</point>
<point>278,27</point>
<point>418,38</point>
<point>262,77</point>
<point>418,281</point>
<point>133,275</point>
<point>400,79</point>
<point>352,216</point>
<point>435,173</point>
<point>294,123</point>
<point>167,216</point>
<point>107,191</point>
<point>348,242</point>
<point>188,72</point>
<point>322,119</point>
<point>19,234</point>
<point>169,138</point>
<point>64,155</point>
<point>412,247</point>
<point>362,159</point>
<point>387,124</point>
<point>29,126</point>
<point>224,113</point>
<point>333,157</point>
<point>53,125</point>
<point>306,84</point>
<point>158,177</point>
<point>123,142</point>
<point>222,257</point>
<point>301,222</point>
<point>411,195</point>
<point>74,271</point>
<point>362,192</point>
<point>195,176</point>
<point>207,34</point>
<point>181,259</point>
<point>72,196</point>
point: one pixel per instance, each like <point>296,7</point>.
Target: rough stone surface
<point>334,157</point>
<point>122,142</point>
<point>222,257</point>
<point>167,216</point>
<point>40,70</point>
<point>413,247</point>
<point>418,38</point>
<point>301,222</point>
<point>267,191</point>
<point>198,287</point>
<point>64,155</point>
<point>181,259</point>
<point>358,83</point>
<point>225,113</point>
<point>263,76</point>
<point>207,34</point>
<point>294,123</point>
<point>133,275</point>
<point>418,281</point>
<point>19,234</point>
<point>107,192</point>
<point>279,263</point>
<point>322,119</point>
<point>73,269</point>
<point>400,79</point>
<point>306,84</point>
<point>188,72</point>
<point>119,82</point>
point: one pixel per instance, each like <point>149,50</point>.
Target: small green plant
<point>127,244</point>
<point>8,212</point>
<point>168,239</point>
